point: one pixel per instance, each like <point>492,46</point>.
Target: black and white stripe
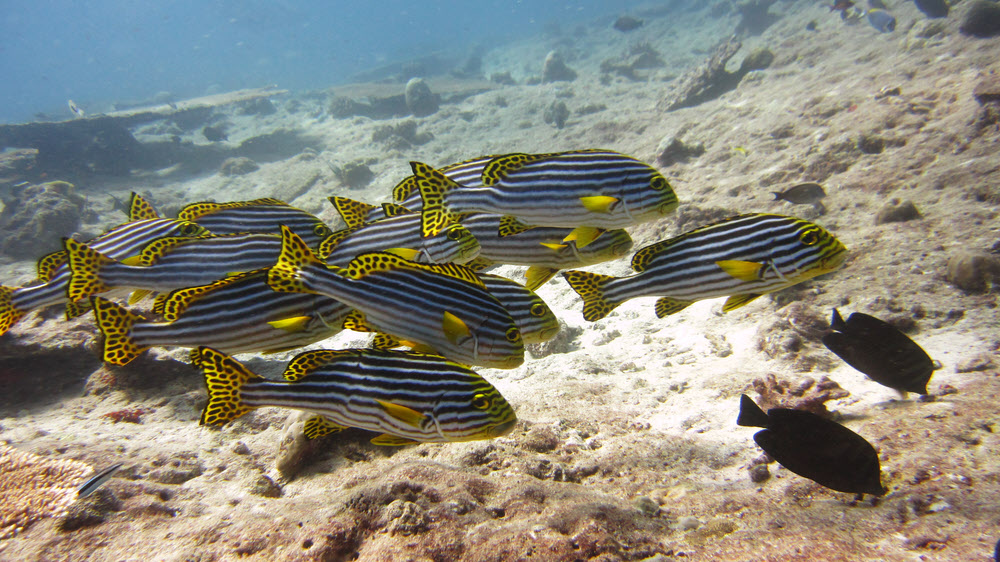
<point>533,317</point>
<point>453,244</point>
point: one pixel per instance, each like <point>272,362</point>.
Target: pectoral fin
<point>293,324</point>
<point>583,235</point>
<point>404,414</point>
<point>599,203</point>
<point>392,440</point>
<point>743,270</point>
<point>318,426</point>
<point>454,328</point>
<point>736,301</point>
<point>666,306</point>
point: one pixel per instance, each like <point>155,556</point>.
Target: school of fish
<point>263,276</point>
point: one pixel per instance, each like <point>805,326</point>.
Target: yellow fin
<point>330,243</point>
<point>500,166</point>
<point>510,226</point>
<point>736,301</point>
<point>224,378</point>
<point>537,275</point>
<point>318,426</point>
<point>173,304</point>
<point>9,315</point>
<point>405,253</point>
<point>392,440</point>
<point>355,321</point>
<point>404,188</point>
<point>394,210</point>
<point>74,309</point>
<point>599,203</point>
<point>284,275</point>
<point>479,264</point>
<point>116,322</point>
<point>353,212</point>
<point>138,294</point>
<point>404,414</point>
<point>583,235</point>
<point>590,287</point>
<point>197,210</point>
<point>293,324</point>
<point>665,306</point>
<point>743,270</point>
<point>554,247</point>
<point>454,328</point>
<point>385,341</point>
<point>365,264</point>
<point>47,265</point>
<point>139,209</point>
<point>433,186</point>
<point>132,261</point>
<point>85,264</point>
<point>305,363</point>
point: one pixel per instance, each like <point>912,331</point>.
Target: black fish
<point>933,8</point>
<point>627,23</point>
<point>880,351</point>
<point>94,483</point>
<point>215,133</point>
<point>801,194</point>
<point>815,448</point>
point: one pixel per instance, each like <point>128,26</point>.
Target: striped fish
<point>544,249</point>
<point>400,234</point>
<point>257,216</point>
<point>118,243</point>
<point>443,306</point>
<point>468,173</point>
<point>169,263</point>
<point>239,314</point>
<point>742,257</point>
<point>533,317</point>
<point>408,398</point>
<point>591,188</point>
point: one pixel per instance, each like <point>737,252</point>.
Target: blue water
<point>99,52</point>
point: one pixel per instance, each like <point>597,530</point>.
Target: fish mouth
<point>834,260</point>
<point>501,429</point>
<point>547,334</point>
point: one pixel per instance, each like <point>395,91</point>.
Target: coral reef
<point>711,79</point>
<point>897,211</point>
<point>556,114</point>
<point>973,272</point>
<point>34,487</point>
<point>34,221</point>
<point>554,69</point>
<point>806,394</point>
<point>419,99</point>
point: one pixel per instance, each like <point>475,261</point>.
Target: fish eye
<point>513,335</point>
<point>658,182</point>
<point>480,402</point>
<point>537,309</point>
<point>809,237</point>
<point>454,234</point>
<point>322,230</point>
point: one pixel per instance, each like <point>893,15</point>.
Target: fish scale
<point>742,257</point>
<point>407,397</point>
<point>118,243</point>
<point>409,300</point>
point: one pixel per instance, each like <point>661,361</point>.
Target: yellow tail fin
<point>85,264</point>
<point>433,185</point>
<point>285,275</point>
<point>115,322</point>
<point>224,377</point>
<point>590,287</point>
<point>9,314</point>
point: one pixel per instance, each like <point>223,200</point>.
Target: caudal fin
<point>224,377</point>
<point>285,276</point>
<point>85,263</point>
<point>750,413</point>
<point>590,287</point>
<point>9,314</point>
<point>433,185</point>
<point>116,322</point>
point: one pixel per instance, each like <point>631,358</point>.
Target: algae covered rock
<point>419,99</point>
<point>973,272</point>
<point>555,70</point>
<point>35,220</point>
<point>238,166</point>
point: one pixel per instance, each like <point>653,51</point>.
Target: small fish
<point>406,397</point>
<point>802,194</point>
<point>257,216</point>
<point>583,188</point>
<point>815,448</point>
<point>877,5</point>
<point>544,249</point>
<point>74,108</point>
<point>443,306</point>
<point>97,481</point>
<point>841,6</point>
<point>811,26</point>
<point>933,8</point>
<point>881,20</point>
<point>215,133</point>
<point>741,151</point>
<point>239,314</point>
<point>399,233</point>
<point>627,23</point>
<point>742,257</point>
<point>880,351</point>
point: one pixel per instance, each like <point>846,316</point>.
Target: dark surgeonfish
<point>880,351</point>
<point>933,8</point>
<point>815,448</point>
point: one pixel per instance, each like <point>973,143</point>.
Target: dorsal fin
<point>330,243</point>
<point>47,265</point>
<point>139,209</point>
<point>366,264</point>
<point>404,188</point>
<point>494,171</point>
<point>159,247</point>
<point>353,212</point>
<point>307,362</point>
<point>178,301</point>
<point>394,210</point>
<point>198,210</point>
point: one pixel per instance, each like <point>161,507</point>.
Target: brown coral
<point>807,394</point>
<point>34,487</point>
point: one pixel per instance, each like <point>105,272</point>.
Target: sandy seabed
<point>627,446</point>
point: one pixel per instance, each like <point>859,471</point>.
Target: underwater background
<point>870,127</point>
